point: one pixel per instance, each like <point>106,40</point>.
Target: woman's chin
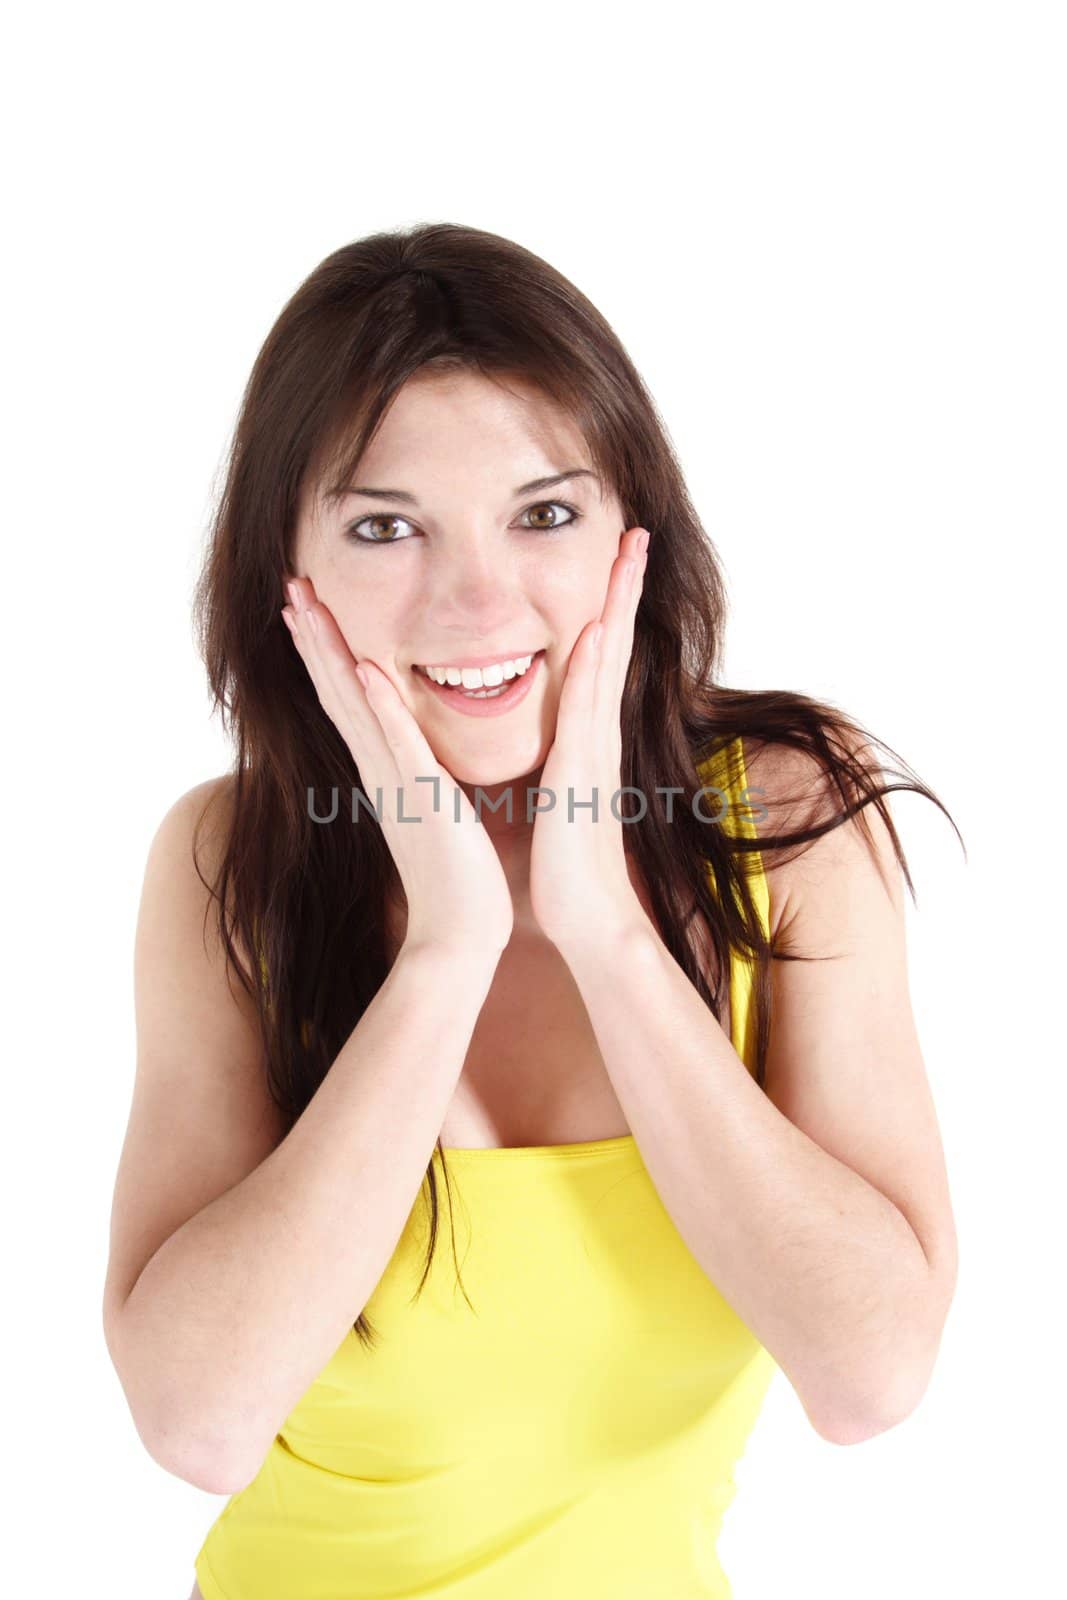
<point>490,770</point>
<point>495,776</point>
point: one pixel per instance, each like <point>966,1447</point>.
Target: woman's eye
<point>352,531</point>
<point>554,505</point>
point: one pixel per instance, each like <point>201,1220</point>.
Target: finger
<point>620,614</point>
<point>628,624</point>
<point>331,667</point>
<point>619,600</point>
<point>409,745</point>
<point>378,711</point>
<point>577,700</point>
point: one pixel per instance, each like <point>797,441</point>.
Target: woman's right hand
<point>457,893</point>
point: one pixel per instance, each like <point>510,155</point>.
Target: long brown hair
<point>310,900</point>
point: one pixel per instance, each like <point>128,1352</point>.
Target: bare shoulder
<point>202,816</point>
<point>792,791</point>
<point>189,844</point>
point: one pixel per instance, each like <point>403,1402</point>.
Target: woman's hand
<point>579,883</point>
<point>457,893</point>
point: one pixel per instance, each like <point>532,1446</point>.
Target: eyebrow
<point>535,485</point>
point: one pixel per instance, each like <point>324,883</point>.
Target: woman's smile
<point>486,701</point>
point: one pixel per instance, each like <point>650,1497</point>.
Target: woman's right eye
<point>375,516</point>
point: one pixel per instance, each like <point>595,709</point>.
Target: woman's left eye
<point>575,514</point>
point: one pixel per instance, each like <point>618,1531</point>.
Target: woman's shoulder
<point>192,837</point>
<point>797,790</point>
<point>792,767</point>
<point>206,806</point>
<point>771,788</point>
<point>786,742</point>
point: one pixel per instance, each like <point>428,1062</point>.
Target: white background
<point>832,238</point>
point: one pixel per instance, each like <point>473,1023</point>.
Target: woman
<point>660,1052</point>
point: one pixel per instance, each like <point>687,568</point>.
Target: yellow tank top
<point>571,1437</point>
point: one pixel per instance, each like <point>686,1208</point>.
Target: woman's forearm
<point>825,1269</point>
<point>236,1314</point>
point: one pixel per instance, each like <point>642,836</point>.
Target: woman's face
<point>469,566</point>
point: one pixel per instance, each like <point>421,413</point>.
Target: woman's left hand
<point>579,883</point>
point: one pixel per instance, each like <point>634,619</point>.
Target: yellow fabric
<point>573,1437</point>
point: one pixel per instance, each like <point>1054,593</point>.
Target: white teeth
<point>479,677</point>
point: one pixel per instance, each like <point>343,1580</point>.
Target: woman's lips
<point>496,705</point>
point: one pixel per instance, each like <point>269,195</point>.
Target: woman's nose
<point>472,588</point>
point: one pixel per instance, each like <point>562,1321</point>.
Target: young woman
<point>490,904</point>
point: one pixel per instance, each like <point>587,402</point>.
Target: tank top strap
<point>724,770</point>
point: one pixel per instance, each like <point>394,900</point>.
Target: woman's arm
<point>819,1209</point>
<point>269,1249</point>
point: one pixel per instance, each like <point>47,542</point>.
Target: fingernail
<point>642,541</point>
<point>288,616</point>
<point>313,621</point>
<point>294,595</point>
